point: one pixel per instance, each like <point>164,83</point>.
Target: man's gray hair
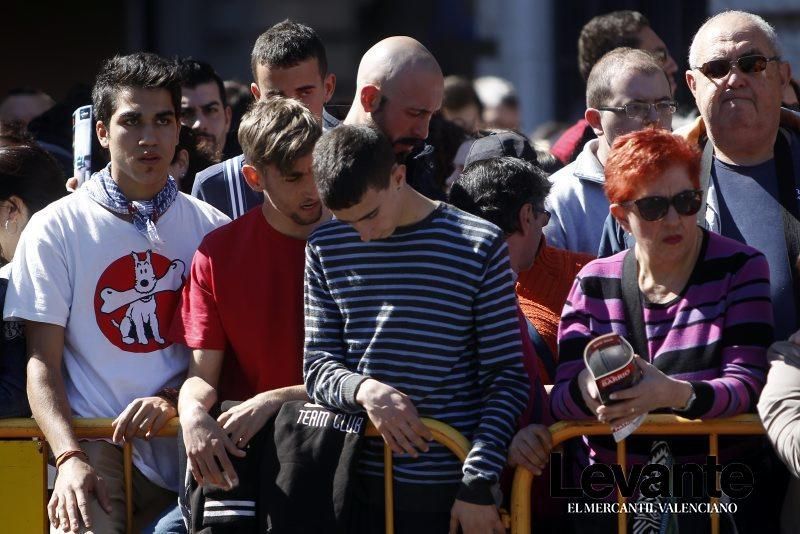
<point>765,27</point>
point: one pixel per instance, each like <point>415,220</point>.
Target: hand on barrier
<point>142,418</point>
<point>395,417</point>
<point>530,448</point>
<point>655,390</point>
<point>589,390</point>
<point>69,503</point>
<point>475,518</point>
<point>207,449</point>
<point>244,420</point>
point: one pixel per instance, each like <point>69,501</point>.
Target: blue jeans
<point>170,522</point>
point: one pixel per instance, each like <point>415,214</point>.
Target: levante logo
<point>599,481</point>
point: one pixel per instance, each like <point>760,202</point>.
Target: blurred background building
<point>533,43</point>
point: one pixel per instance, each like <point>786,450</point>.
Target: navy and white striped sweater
<point>430,311</point>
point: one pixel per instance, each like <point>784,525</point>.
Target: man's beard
<point>305,221</point>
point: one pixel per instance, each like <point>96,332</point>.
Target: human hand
<point>589,390</point>
<point>531,448</point>
<point>207,448</point>
<point>69,503</point>
<point>395,417</point>
<point>653,391</point>
<point>143,417</point>
<point>243,421</point>
<point>475,518</point>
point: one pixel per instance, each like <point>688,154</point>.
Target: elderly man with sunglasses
<point>627,90</point>
<point>751,166</point>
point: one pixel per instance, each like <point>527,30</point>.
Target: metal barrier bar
<point>442,433</point>
<point>101,429</point>
<point>748,424</point>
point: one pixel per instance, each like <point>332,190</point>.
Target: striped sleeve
<point>328,380</point>
<point>502,377</point>
<point>747,333</point>
<point>574,333</point>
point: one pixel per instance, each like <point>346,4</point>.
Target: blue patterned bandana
<point>105,191</point>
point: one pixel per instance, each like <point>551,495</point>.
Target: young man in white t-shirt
<point>97,279</point>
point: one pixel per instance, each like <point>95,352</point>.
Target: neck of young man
<point>414,206</point>
<point>137,191</point>
<point>288,226</point>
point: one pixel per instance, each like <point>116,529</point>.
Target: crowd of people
<point>275,277</point>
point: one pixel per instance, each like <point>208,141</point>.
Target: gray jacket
<point>577,203</point>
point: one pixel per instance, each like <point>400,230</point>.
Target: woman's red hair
<point>639,157</point>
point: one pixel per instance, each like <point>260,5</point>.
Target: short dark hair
<point>193,73</point>
<point>140,70</point>
<point>496,189</point>
<point>459,93</point>
<point>348,160</point>
<point>287,44</point>
<point>606,32</point>
<point>30,173</point>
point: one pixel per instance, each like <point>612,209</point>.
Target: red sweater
<point>543,289</point>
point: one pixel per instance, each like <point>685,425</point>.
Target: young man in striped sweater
<point>410,312</point>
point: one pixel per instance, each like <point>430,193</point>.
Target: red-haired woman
<point>703,302</point>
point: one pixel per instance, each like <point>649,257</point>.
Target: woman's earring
<point>6,225</point>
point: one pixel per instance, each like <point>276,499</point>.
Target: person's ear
<point>785,72</point>
<point>252,177</point>
<point>102,133</point>
<point>620,213</point>
<point>691,82</point>
<point>525,217</point>
<point>329,85</point>
<point>592,116</point>
<point>370,98</point>
<point>255,91</point>
<point>398,176</point>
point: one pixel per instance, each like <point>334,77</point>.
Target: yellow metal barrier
<point>19,429</point>
<point>669,425</point>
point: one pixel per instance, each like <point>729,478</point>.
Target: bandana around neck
<point>105,191</point>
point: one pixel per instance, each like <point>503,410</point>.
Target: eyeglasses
<point>655,208</point>
<point>641,110</point>
<point>719,68</point>
<point>546,215</point>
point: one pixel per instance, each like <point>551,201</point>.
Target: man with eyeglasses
<point>737,78</point>
<point>751,167</point>
<point>627,90</point>
<point>601,35</point>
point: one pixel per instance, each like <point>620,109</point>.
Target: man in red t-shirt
<point>242,309</point>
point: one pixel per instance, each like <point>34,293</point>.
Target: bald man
<point>399,86</point>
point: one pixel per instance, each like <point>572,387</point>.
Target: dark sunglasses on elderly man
<point>655,208</point>
<point>719,68</point>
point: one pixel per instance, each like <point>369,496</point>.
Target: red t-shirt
<point>245,296</point>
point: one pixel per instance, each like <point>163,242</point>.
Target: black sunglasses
<point>655,208</point>
<point>719,68</point>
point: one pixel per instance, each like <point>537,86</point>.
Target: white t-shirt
<point>79,266</point>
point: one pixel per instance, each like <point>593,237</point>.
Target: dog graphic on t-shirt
<point>141,302</point>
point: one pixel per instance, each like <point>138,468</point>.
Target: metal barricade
<point>667,425</point>
<point>27,429</point>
